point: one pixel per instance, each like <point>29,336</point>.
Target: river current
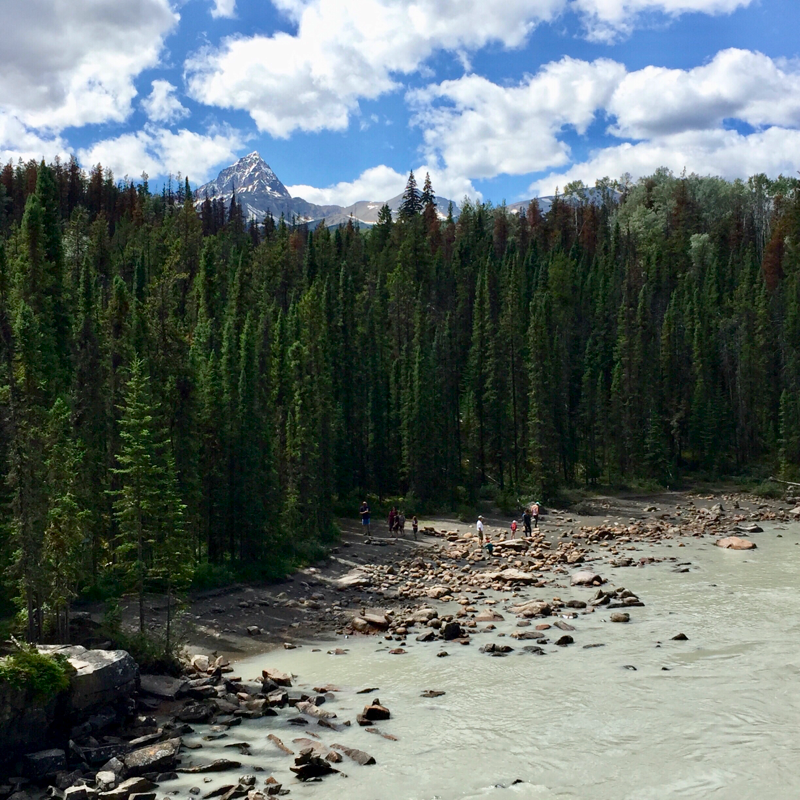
<point>715,716</point>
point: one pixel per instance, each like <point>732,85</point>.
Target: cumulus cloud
<point>74,63</point>
<point>159,152</point>
<point>728,154</point>
<point>383,183</point>
<point>161,105</point>
<point>608,20</point>
<point>19,141</point>
<point>480,129</point>
<point>736,84</point>
<point>224,8</point>
<point>312,80</point>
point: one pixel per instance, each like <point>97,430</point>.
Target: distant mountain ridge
<point>259,191</point>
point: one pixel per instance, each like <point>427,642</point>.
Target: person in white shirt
<point>480,530</point>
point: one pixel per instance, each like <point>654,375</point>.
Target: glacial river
<point>712,717</point>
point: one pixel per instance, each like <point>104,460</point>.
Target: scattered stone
<point>314,711</point>
<point>735,543</point>
<point>359,756</point>
<point>452,630</point>
<point>398,651</point>
<point>276,676</point>
<point>281,746</point>
<point>153,758</point>
<point>430,693</point>
<point>220,765</point>
<point>308,766</point>
<point>681,637</point>
<point>620,616</point>
<point>565,640</point>
<point>586,578</point>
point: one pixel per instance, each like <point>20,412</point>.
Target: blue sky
<point>499,99</point>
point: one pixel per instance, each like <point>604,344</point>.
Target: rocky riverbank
<point>443,589</point>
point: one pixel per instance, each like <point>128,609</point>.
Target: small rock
<point>620,616</point>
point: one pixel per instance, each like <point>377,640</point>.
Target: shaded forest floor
<point>308,605</point>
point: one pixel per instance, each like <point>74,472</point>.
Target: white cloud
<point>725,153</point>
<point>481,129</point>
<point>224,8</point>
<point>383,183</point>
<point>736,84</point>
<point>159,152</point>
<point>343,52</point>
<point>19,141</point>
<point>73,63</point>
<point>608,20</point>
<point>161,105</point>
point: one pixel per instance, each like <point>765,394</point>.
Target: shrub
<point>41,675</point>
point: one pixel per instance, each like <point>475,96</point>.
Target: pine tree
<point>411,204</point>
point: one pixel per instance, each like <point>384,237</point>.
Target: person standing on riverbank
<point>526,523</point>
<point>480,530</point>
<point>392,519</point>
<point>364,511</point>
<point>415,526</point>
<point>514,529</point>
<point>535,514</point>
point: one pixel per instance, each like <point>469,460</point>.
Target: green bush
<point>211,576</point>
<point>42,675</point>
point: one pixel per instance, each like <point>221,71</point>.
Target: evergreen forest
<point>184,391</point>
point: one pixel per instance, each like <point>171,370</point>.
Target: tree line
<point>182,388</point>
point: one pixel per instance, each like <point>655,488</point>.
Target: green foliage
<point>189,398</point>
<point>41,675</point>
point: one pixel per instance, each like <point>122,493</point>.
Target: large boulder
<point>162,686</point>
<point>101,676</point>
<point>533,608</point>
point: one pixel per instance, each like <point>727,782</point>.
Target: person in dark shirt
<point>364,511</point>
<point>526,522</point>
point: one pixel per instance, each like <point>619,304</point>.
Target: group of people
<point>530,520</point>
<point>397,521</point>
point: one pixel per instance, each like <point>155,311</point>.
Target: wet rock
<point>591,646</point>
<point>398,651</point>
<point>735,543</point>
<point>130,787</point>
<point>428,636</point>
<point>452,630</point>
<point>489,615</point>
<point>750,528</point>
<point>161,686</point>
<point>276,676</point>
<point>376,620</point>
<point>308,766</point>
<point>565,640</point>
<point>281,746</point>
<point>526,635</point>
<point>533,608</point>
<point>564,626</point>
<point>359,756</point>
<point>430,693</point>
<point>382,733</point>
<point>493,648</point>
<point>374,713</point>
<point>46,762</point>
<point>620,616</point>
<point>220,765</point>
<point>586,578</point>
<point>314,711</point>
<point>196,713</point>
<point>153,758</point>
<point>533,650</point>
<point>681,637</point>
